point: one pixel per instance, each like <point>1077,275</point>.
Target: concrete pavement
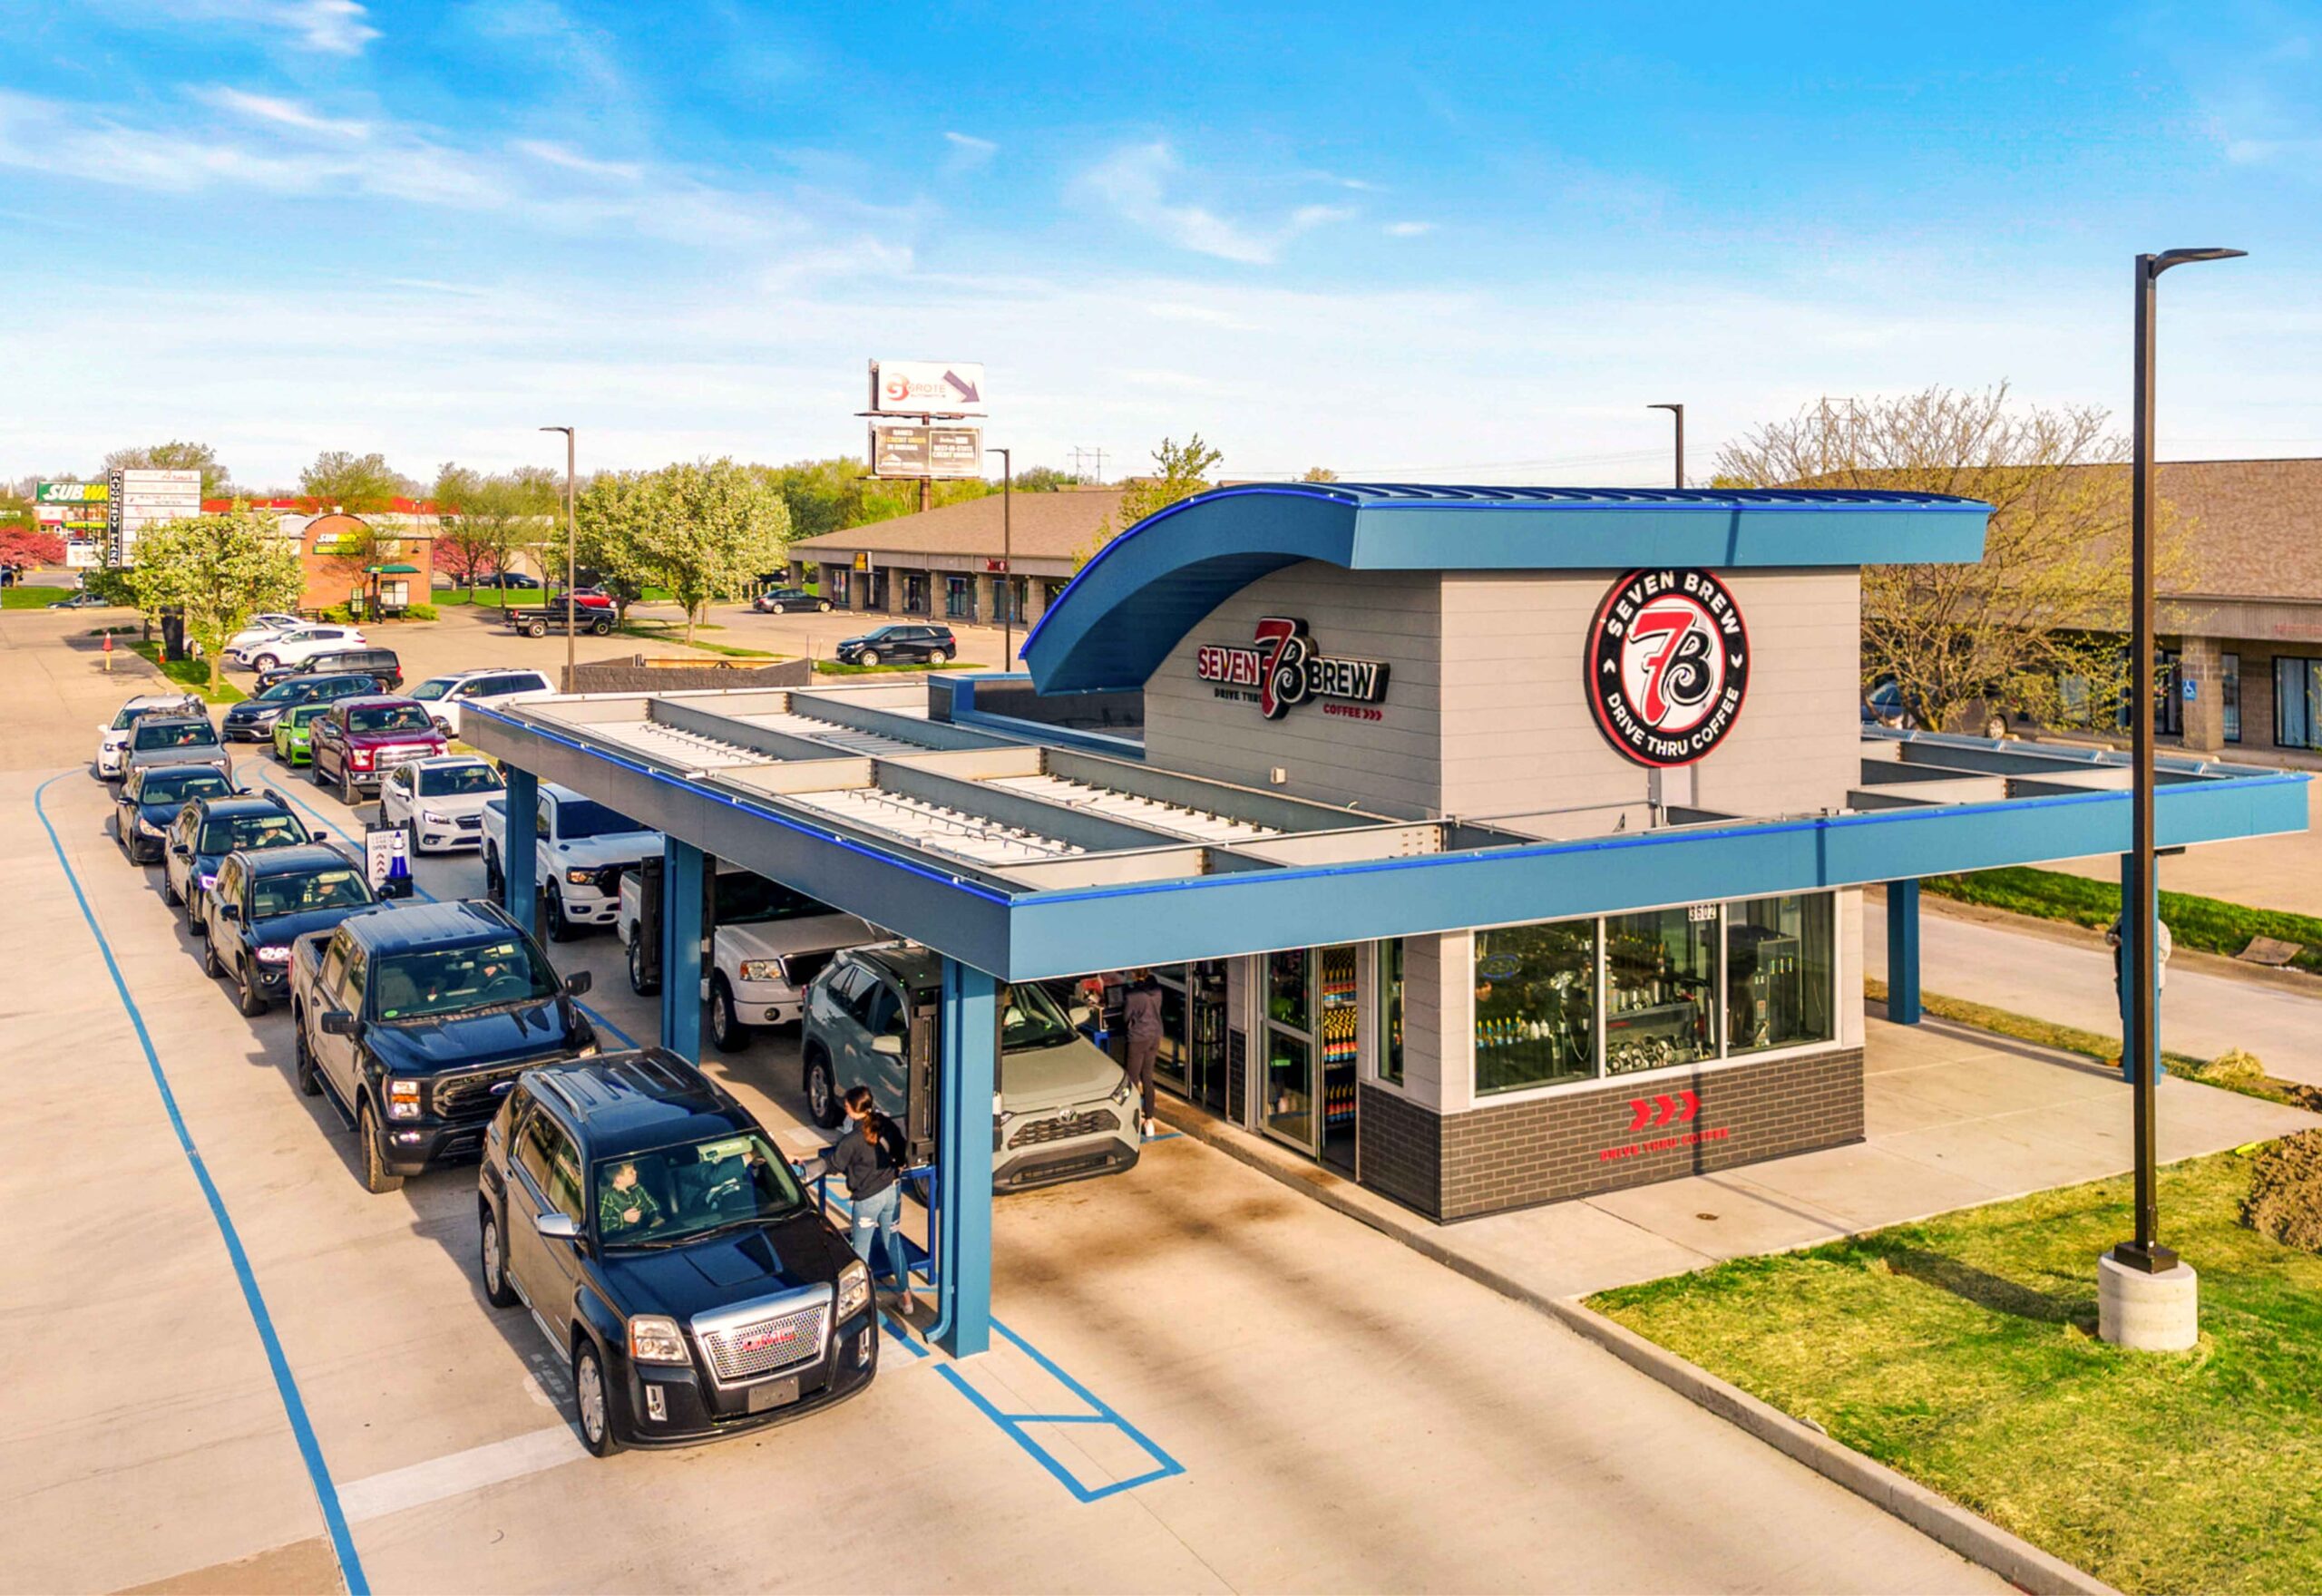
<point>2282,872</point>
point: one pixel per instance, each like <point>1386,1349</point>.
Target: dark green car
<point>291,745</point>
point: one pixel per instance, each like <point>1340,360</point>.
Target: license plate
<point>780,1393</point>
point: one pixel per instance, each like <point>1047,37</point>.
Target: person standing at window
<point>1141,1019</point>
<point>869,1155</point>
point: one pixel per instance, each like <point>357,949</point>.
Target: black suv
<point>888,644</point>
<point>208,829</point>
<point>265,901</point>
<point>252,720</point>
<point>668,1252</point>
<point>783,600</point>
<point>379,665</point>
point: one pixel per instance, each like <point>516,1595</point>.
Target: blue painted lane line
<point>286,1384</point>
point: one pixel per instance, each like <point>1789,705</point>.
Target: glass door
<point>1288,1109</point>
<point>1170,1063</point>
<point>1206,1020</point>
<point>1337,1034</point>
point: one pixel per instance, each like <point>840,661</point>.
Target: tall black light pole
<point>571,539</point>
<point>1007,564</point>
<point>1679,411</point>
<point>2141,905</point>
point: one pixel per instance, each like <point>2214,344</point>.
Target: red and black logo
<point>1286,670</point>
<point>1668,665</point>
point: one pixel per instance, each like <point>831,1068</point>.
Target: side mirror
<point>887,1047</point>
<point>442,725</point>
<point>230,911</point>
<point>558,1226</point>
<point>338,1022</point>
<point>578,983</point>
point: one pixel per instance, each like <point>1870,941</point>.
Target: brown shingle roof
<point>2255,526</point>
<point>1044,526</point>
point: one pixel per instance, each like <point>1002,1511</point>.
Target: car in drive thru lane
<point>416,1019</point>
<point>265,901</point>
<point>293,728</point>
<point>208,829</point>
<point>768,944</point>
<point>439,801</point>
<point>445,697</point>
<point>149,800</point>
<point>361,739</point>
<point>112,738</point>
<point>253,719</point>
<point>669,1255</point>
<point>582,847</point>
<point>1065,1109</point>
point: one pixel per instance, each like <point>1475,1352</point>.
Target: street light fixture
<point>572,540</point>
<point>2140,904</point>
<point>1679,411</point>
<point>1007,564</point>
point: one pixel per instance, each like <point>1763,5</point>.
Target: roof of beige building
<point>1043,526</point>
<point>2255,526</point>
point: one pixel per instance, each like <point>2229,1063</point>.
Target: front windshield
<point>231,833</point>
<point>282,690</point>
<point>307,891</point>
<point>389,718</point>
<point>653,1199</point>
<point>1029,1019</point>
<point>183,734</point>
<point>434,687</point>
<point>176,786</point>
<point>307,714</point>
<point>585,817</point>
<point>744,899</point>
<point>436,981</point>
<point>459,780</point>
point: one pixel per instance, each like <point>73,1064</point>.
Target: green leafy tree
<point>1045,479</point>
<point>219,570</point>
<point>1182,471</point>
<point>721,525</point>
<point>360,485</point>
<point>616,518</point>
<point>483,520</point>
<point>217,482</point>
<point>1318,473</point>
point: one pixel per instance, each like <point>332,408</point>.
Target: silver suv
<point>1066,1109</point>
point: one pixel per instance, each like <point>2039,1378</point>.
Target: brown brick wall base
<point>1574,1143</point>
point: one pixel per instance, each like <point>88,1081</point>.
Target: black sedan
<point>150,799</point>
<point>890,645</point>
<point>783,600</point>
<point>510,580</point>
<point>265,901</point>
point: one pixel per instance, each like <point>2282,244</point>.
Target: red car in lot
<point>362,739</point>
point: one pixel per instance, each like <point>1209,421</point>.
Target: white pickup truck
<point>768,944</point>
<point>583,846</point>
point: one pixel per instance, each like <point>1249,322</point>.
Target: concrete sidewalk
<point>1956,1118</point>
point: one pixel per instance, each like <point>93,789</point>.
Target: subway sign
<point>1285,669</point>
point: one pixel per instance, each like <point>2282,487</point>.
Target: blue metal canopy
<point>1146,590</point>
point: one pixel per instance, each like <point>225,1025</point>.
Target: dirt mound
<point>2234,1068</point>
<point>2285,1199</point>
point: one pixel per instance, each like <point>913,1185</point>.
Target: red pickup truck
<point>361,739</point>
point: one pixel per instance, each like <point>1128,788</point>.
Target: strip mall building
<point>1494,846</point>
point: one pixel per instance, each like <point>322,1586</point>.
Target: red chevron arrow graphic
<point>1643,1110</point>
<point>1663,1111</point>
<point>1688,1105</point>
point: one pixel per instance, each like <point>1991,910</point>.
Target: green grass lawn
<point>832,667</point>
<point>2206,925</point>
<point>188,673</point>
<point>665,631</point>
<point>1962,1352</point>
<point>31,597</point>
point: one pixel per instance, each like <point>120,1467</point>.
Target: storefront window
<point>1535,1006</point>
<point>2298,717</point>
<point>1390,1012</point>
<point>1779,981</point>
<point>2230,693</point>
<point>1290,1048</point>
<point>960,597</point>
<point>1660,988</point>
<point>1286,988</point>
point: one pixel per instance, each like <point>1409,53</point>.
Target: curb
<point>1941,1520</point>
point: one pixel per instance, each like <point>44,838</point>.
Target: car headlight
<point>581,877</point>
<point>761,969</point>
<point>146,828</point>
<point>654,1337</point>
<point>402,1099</point>
<point>429,817</point>
<point>274,956</point>
<point>853,1289</point>
<point>1125,1091</point>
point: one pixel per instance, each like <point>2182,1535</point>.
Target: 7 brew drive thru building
<point>1493,846</point>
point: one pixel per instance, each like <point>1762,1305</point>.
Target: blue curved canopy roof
<point>1147,589</point>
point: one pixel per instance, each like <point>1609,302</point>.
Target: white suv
<point>262,628</point>
<point>444,697</point>
<point>439,801</point>
<point>298,646</point>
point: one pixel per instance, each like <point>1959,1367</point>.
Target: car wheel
<point>265,662</point>
<point>593,1402</point>
<point>492,881</point>
<point>559,929</point>
<point>253,1001</point>
<point>376,1178</point>
<point>537,628</point>
<point>1995,727</point>
<point>868,657</point>
<point>410,835</point>
<point>193,920</point>
<point>491,1262</point>
<point>941,656</point>
<point>821,1091</point>
<point>643,984</point>
<point>348,793</point>
<point>728,1033</point>
<point>823,607</point>
<point>601,629</point>
<point>315,771</point>
<point>211,965</point>
<point>310,1085</point>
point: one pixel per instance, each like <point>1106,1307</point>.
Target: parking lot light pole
<point>571,540</point>
<point>2140,907</point>
<point>1677,411</point>
<point>1006,565</point>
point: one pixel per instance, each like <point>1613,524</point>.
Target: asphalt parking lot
<point>234,1370</point>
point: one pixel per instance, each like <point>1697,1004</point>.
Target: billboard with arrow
<point>927,387</point>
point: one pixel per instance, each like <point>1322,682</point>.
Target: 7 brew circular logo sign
<point>1668,664</point>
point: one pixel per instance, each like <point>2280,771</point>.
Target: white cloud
<point>1135,183</point>
<point>327,27</point>
<point>571,160</point>
<point>1408,229</point>
<point>286,114</point>
<point>968,151</point>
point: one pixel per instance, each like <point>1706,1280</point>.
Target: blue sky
<point>1446,243</point>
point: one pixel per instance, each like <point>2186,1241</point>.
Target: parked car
<point>174,739</point>
<point>112,736</point>
<point>439,801</point>
<point>208,829</point>
<point>1066,1109</point>
<point>581,848</point>
<point>888,644</point>
<point>446,696</point>
<point>298,646</point>
<point>416,1019</point>
<point>380,666</point>
<point>508,579</point>
<point>253,719</point>
<point>265,901</point>
<point>293,740</point>
<point>768,944</point>
<point>589,598</point>
<point>727,1305</point>
<point>148,801</point>
<point>81,600</point>
<point>261,629</point>
<point>783,600</point>
<point>359,740</point>
<point>596,619</point>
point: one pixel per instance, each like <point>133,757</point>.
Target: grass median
<point>1962,1352</point>
<point>2205,925</point>
<point>187,673</point>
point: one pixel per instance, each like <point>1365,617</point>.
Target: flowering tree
<point>219,570</point>
<point>30,546</point>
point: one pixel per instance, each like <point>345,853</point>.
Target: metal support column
<point>520,888</point>
<point>2124,988</point>
<point>969,1071</point>
<point>682,879</point>
<point>1903,952</point>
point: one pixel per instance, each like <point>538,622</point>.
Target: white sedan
<point>439,802</point>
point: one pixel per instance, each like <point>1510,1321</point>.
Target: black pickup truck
<point>417,1018</point>
<point>540,620</point>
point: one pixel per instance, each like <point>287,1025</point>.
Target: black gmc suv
<point>667,1251</point>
